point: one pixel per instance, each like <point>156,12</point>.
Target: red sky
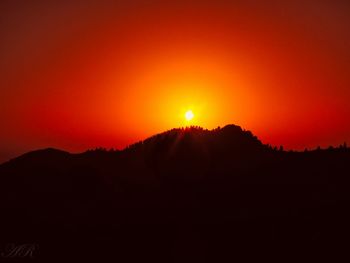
<point>84,74</point>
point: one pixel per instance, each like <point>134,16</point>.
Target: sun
<point>189,115</point>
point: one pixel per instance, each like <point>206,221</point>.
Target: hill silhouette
<point>185,195</point>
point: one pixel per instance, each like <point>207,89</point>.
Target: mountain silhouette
<point>185,195</point>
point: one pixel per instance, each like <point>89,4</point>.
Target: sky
<point>76,75</point>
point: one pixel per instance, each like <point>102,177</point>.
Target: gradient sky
<point>80,74</point>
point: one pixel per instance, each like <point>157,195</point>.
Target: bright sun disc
<point>189,115</point>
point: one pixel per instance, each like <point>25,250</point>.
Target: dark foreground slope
<point>182,196</point>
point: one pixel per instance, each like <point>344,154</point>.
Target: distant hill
<point>185,195</point>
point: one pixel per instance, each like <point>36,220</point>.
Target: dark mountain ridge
<point>191,194</point>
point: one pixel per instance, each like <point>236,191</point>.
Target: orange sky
<point>105,73</point>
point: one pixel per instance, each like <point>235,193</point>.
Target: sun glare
<point>189,115</point>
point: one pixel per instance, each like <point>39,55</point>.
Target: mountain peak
<point>196,140</point>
